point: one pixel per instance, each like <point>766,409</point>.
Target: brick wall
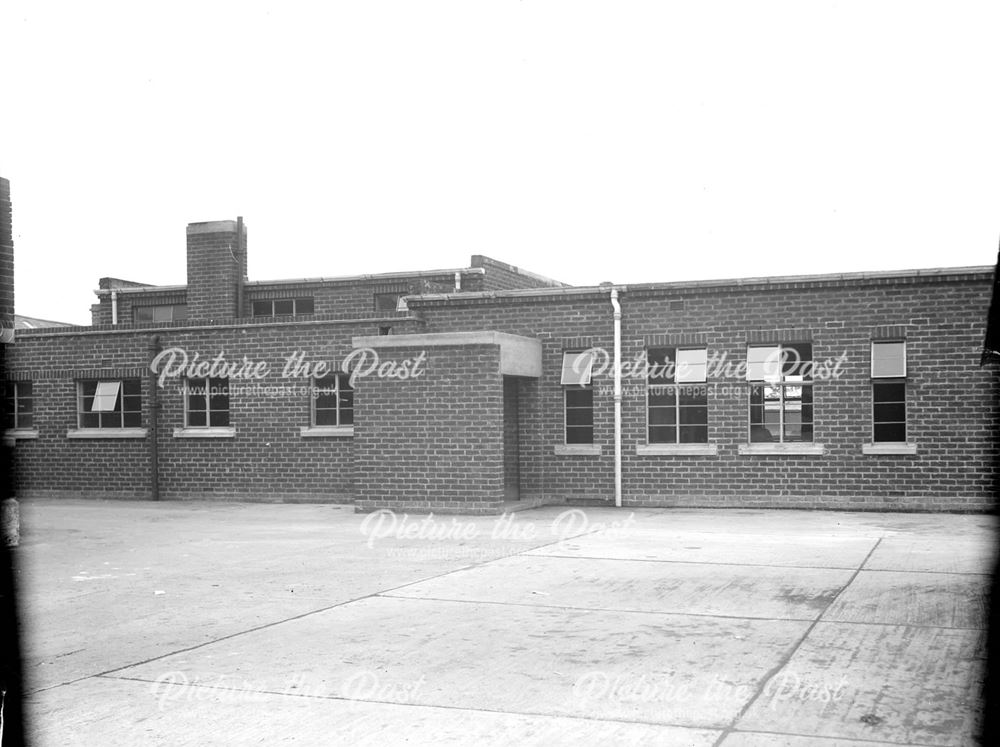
<point>951,400</point>
<point>502,276</point>
<point>215,264</point>
<point>267,460</point>
<point>6,257</point>
<point>434,442</point>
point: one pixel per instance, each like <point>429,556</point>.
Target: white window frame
<point>780,383</point>
<point>16,400</point>
<point>890,446</point>
<point>208,403</point>
<point>119,396</point>
<point>674,385</point>
<point>339,379</point>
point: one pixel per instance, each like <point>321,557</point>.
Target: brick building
<point>486,387</point>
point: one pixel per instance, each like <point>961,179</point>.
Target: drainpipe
<point>154,419</point>
<point>239,266</point>
<point>618,396</point>
<point>114,307</point>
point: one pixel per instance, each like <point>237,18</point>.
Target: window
<point>781,398</point>
<point>388,302</point>
<point>19,410</point>
<point>333,400</point>
<point>206,403</point>
<point>677,395</point>
<point>889,392</point>
<point>109,404</point>
<point>159,313</point>
<point>578,397</point>
<point>284,307</point>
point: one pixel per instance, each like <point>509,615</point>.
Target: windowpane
<point>661,395</point>
<point>180,312</point>
<point>895,432</point>
<point>346,416</point>
<point>763,363</point>
<point>325,416</point>
<point>692,395</point>
<point>662,416</point>
<point>796,361</point>
<point>284,307</point>
<point>579,414</point>
<point>90,420</point>
<point>579,397</point>
<point>694,415</point>
<point>888,359</point>
<point>132,419</point>
<point>106,397</point>
<point>303,306</point>
<point>218,418</point>
<point>692,366</point>
<point>694,434</point>
<point>580,435</point>
<point>111,420</point>
<point>895,392</point>
<point>263,308</point>
<point>662,435</point>
<point>660,365</point>
<point>576,368</point>
<point>894,412</point>
<point>387,302</point>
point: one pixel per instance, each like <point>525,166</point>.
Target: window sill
<point>107,433</point>
<point>677,449</point>
<point>327,431</point>
<point>20,434</point>
<point>888,447</point>
<point>578,450</point>
<point>772,449</point>
<point>216,432</point>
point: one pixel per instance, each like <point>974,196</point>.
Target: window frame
<point>272,301</point>
<point>340,380</point>
<point>13,402</point>
<point>780,385</point>
<point>587,386</point>
<point>889,380</point>
<point>136,310</point>
<point>120,408</point>
<point>675,388</point>
<point>208,404</point>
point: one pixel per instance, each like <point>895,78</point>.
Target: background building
<point>484,387</point>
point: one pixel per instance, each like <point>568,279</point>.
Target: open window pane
<point>105,396</point>
<point>763,363</point>
<point>888,360</point>
<point>692,366</point>
<point>576,368</point>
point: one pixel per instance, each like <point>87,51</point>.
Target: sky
<point>586,141</point>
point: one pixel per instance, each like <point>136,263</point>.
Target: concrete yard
<point>225,623</point>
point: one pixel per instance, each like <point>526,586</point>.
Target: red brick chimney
<point>216,265</point>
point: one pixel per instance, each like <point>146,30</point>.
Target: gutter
<point>616,306</point>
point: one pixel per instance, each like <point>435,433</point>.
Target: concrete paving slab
<point>106,584</point>
<point>756,739</point>
<point>902,598</point>
<point>730,590</point>
<point>885,683</point>
<point>677,670</point>
<point>974,553</point>
<point>653,543</point>
<point>124,713</point>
